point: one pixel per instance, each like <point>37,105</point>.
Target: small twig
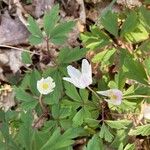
<point>19,49</point>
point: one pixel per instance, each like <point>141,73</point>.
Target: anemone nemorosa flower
<point>146,111</point>
<point>80,79</point>
<point>45,86</point>
<point>114,96</point>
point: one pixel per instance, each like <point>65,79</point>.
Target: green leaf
<point>84,94</point>
<point>23,96</point>
<point>95,39</point>
<point>143,130</point>
<point>110,22</point>
<point>130,147</point>
<point>119,124</point>
<point>25,131</point>
<point>71,91</point>
<point>147,65</point>
<point>139,34</point>
<point>34,28</point>
<point>50,19</point>
<point>78,118</point>
<point>52,140</point>
<point>26,58</point>
<point>58,141</point>
<point>105,133</point>
<point>95,144</point>
<point>68,55</point>
<point>61,31</point>
<point>130,23</point>
<point>104,56</point>
<point>133,68</point>
<point>34,77</point>
<point>35,40</point>
<point>29,105</point>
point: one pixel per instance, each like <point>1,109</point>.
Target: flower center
<point>45,86</point>
<point>114,97</point>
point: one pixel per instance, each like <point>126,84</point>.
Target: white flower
<point>146,111</point>
<point>80,79</point>
<point>114,96</point>
<point>45,86</point>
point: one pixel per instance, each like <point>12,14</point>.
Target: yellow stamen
<point>45,86</point>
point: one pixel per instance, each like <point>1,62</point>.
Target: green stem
<point>41,103</point>
<point>102,104</point>
<point>136,96</point>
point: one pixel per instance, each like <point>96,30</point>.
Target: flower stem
<point>94,93</point>
<point>101,104</point>
<point>41,103</point>
<point>136,96</point>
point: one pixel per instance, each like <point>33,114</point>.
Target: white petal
<point>114,102</point>
<point>85,80</point>
<point>104,93</point>
<point>146,112</point>
<point>86,68</point>
<point>48,80</point>
<point>73,72</point>
<point>76,83</point>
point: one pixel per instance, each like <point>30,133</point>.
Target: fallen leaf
<point>12,31</point>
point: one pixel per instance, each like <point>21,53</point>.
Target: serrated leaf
<point>103,56</point>
<point>78,118</point>
<point>61,31</point>
<point>26,59</point>
<point>34,77</point>
<point>71,91</point>
<point>23,96</point>
<point>130,147</point>
<point>110,22</point>
<point>68,55</point>
<point>119,124</point>
<point>143,130</point>
<point>130,23</point>
<point>105,133</point>
<point>95,144</point>
<point>95,39</point>
<point>50,19</point>
<point>34,28</point>
<point>35,40</point>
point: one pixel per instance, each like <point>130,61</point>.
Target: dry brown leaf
<point>7,101</point>
<point>12,31</point>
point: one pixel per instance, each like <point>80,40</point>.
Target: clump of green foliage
<point>119,40</point>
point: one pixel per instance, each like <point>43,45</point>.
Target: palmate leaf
<point>26,58</point>
<point>95,39</point>
<point>34,28</point>
<point>59,141</point>
<point>105,133</point>
<point>59,33</point>
<point>130,23</point>
<point>143,130</point>
<point>68,55</point>
<point>50,19</point>
<point>119,124</point>
<point>36,36</point>
<point>132,68</point>
<point>95,143</point>
<point>110,22</point>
